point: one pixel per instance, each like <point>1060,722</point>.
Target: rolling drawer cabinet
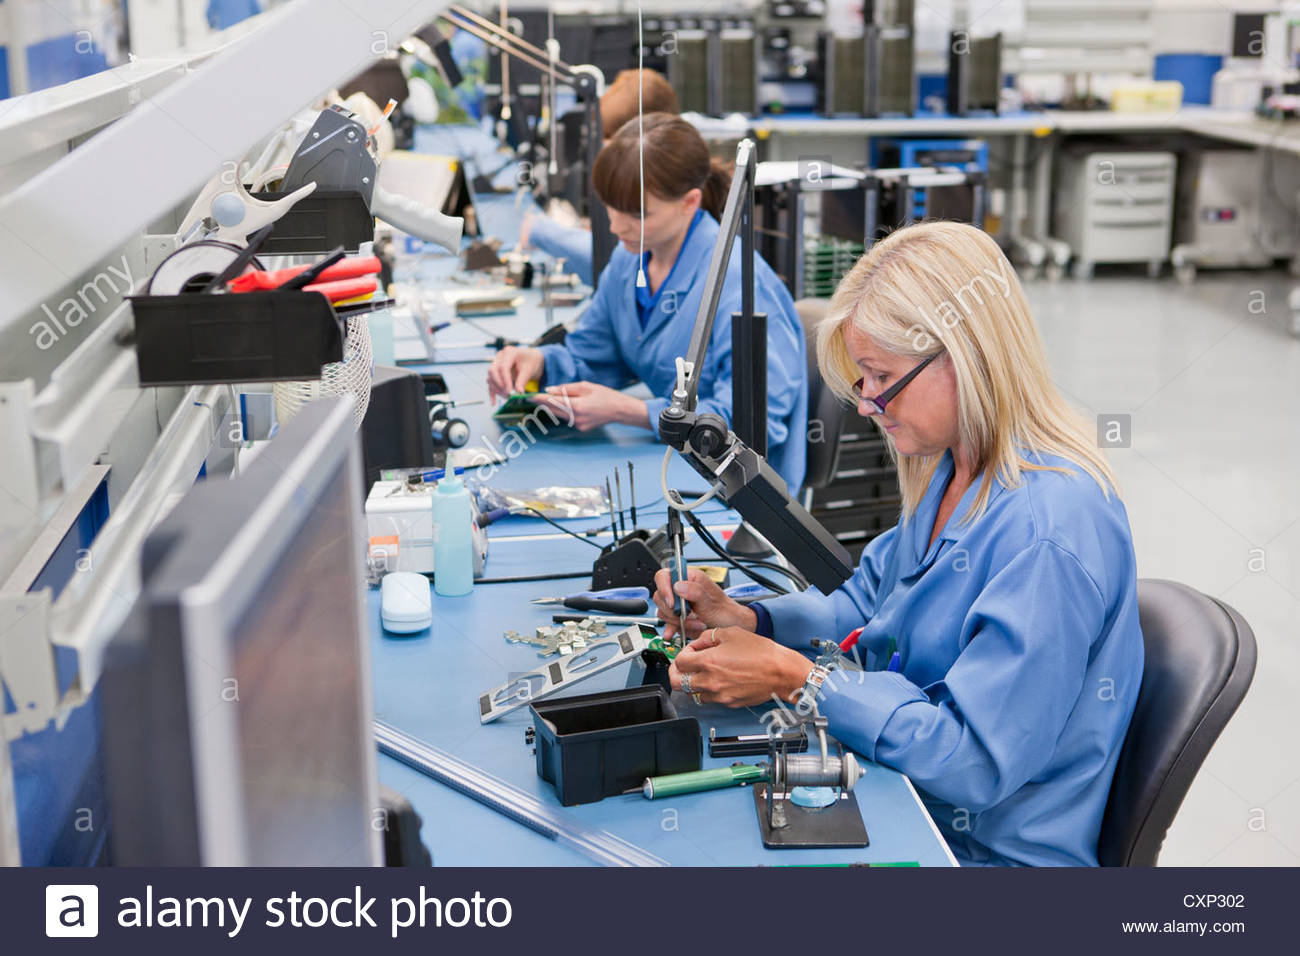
<point>1116,207</point>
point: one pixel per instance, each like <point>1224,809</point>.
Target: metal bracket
<point>10,849</point>
<point>27,662</point>
<point>561,674</point>
<point>155,247</point>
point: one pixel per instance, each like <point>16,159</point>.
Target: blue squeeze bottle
<point>453,538</point>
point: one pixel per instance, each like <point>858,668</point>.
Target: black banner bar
<point>798,909</point>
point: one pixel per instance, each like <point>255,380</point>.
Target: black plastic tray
<point>600,745</point>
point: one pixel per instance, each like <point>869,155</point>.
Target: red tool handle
<point>851,641</point>
<point>351,268</point>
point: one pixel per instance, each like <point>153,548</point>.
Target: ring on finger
<point>686,684</point>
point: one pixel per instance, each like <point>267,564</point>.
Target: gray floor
<point>1211,378</point>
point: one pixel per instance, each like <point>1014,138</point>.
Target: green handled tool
<point>673,784</point>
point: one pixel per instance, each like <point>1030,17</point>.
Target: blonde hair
<point>946,286</point>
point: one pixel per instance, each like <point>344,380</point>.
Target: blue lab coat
<point>610,347</point>
<point>1021,659</point>
<point>571,243</point>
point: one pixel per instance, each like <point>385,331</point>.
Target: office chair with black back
<point>825,410</point>
<point>1200,658</point>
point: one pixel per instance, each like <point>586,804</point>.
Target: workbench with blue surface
<point>428,684</point>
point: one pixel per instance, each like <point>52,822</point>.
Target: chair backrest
<point>1200,658</point>
<point>825,411</point>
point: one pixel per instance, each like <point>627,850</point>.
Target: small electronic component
<point>562,639</point>
<point>670,651</point>
<point>517,405</point>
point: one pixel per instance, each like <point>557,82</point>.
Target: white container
<point>399,525</point>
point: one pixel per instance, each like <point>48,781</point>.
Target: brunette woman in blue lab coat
<point>632,92</point>
<point>1001,655</point>
<point>634,333</point>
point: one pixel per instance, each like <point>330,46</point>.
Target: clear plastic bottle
<point>453,538</point>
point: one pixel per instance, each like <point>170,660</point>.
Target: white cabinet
<point>1116,207</point>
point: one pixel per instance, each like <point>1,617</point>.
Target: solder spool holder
<point>786,825</point>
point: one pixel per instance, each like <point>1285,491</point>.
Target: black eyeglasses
<point>876,406</point>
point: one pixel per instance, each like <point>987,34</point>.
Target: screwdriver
<point>609,500</point>
<point>611,600</point>
<point>631,493</point>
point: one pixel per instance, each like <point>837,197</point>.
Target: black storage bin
<point>595,746</point>
<point>269,336</point>
<point>865,455</point>
<point>319,223</point>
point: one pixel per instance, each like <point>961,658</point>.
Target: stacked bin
<point>862,499</point>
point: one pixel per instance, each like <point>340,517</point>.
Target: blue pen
<point>748,590</point>
<point>439,473</point>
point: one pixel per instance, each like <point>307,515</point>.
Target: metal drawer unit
<point>1116,207</point>
<point>862,499</point>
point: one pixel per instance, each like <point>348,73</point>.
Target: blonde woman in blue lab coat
<point>1001,649</point>
<point>635,332</point>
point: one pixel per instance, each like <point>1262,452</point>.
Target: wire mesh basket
<point>353,375</point>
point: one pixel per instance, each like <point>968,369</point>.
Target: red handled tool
<point>350,268</point>
<point>851,641</point>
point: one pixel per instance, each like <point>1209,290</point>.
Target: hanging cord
<point>505,71</point>
<point>553,54</point>
<point>641,145</point>
<point>672,498</point>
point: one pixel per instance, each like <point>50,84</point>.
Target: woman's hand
<point>513,369</point>
<point>710,607</point>
<point>587,405</point>
<point>737,668</point>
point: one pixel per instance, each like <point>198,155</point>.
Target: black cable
<point>748,563</point>
<point>494,340</point>
<point>573,534</point>
<point>743,569</point>
<point>525,578</point>
<point>713,545</point>
<point>799,580</point>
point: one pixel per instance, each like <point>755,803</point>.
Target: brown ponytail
<point>715,188</point>
<point>676,161</point>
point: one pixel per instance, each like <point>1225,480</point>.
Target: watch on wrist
<point>812,685</point>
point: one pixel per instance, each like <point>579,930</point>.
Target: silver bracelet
<point>812,685</point>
